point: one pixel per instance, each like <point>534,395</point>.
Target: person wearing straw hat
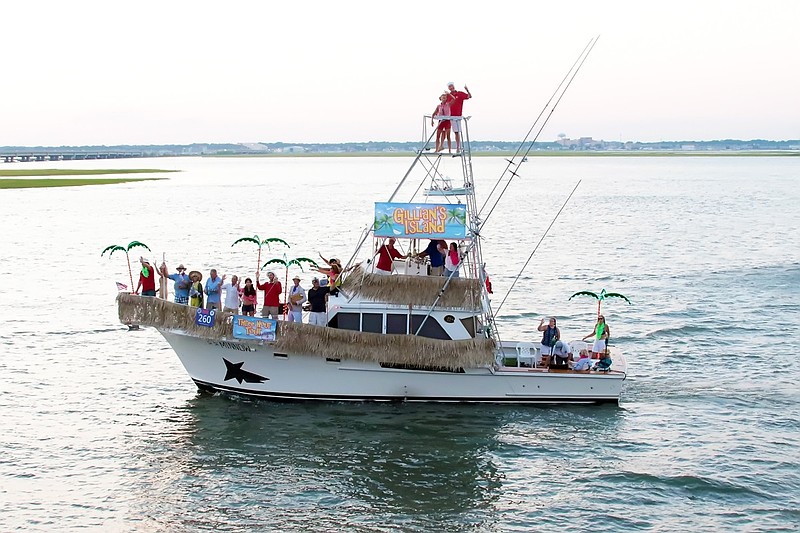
<point>297,297</point>
<point>196,289</point>
<point>182,284</point>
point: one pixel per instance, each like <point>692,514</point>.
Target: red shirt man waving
<point>456,107</point>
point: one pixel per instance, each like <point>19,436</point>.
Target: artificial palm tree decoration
<point>286,264</point>
<point>600,297</point>
<point>116,247</point>
<point>258,242</point>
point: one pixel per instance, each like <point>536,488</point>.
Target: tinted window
<point>396,324</point>
<point>348,321</point>
<point>432,329</point>
<point>372,322</point>
<point>469,325</point>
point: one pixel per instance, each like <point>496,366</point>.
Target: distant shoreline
<point>26,178</point>
<point>538,153</point>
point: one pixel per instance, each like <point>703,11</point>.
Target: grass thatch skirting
<point>414,290</point>
<point>307,339</point>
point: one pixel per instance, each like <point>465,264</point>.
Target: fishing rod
<point>537,247</point>
<point>524,140</point>
<point>549,116</point>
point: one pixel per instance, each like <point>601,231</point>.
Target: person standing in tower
<point>456,108</point>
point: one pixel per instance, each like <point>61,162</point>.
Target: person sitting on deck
<point>549,339</point>
<point>604,364</point>
<point>386,254</point>
<point>583,364</point>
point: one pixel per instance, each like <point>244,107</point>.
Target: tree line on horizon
<point>403,146</point>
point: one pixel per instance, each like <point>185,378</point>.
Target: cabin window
<point>431,329</point>
<point>469,325</point>
<point>397,324</point>
<point>372,322</point>
<point>348,321</point>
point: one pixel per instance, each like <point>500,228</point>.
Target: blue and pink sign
<point>420,221</point>
<point>254,328</point>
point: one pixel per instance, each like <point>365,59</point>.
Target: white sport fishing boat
<point>398,336</point>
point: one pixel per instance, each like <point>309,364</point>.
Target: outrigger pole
<point>573,71</point>
<point>537,247</point>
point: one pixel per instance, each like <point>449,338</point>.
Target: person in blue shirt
<point>213,285</point>
<point>182,284</point>
<point>436,250</point>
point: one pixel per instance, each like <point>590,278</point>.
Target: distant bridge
<point>25,157</point>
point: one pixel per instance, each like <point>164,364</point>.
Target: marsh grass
<point>27,178</point>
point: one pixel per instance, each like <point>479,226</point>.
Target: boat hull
<point>258,371</point>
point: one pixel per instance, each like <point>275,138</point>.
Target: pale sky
<point>173,71</point>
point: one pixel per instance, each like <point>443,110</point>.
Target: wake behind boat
<point>414,326</point>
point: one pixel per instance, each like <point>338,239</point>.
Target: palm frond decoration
<point>300,260</point>
<point>125,249</point>
<point>600,297</point>
<point>247,239</point>
<point>255,239</point>
<point>113,248</point>
<point>139,244</point>
<point>275,239</point>
<point>275,261</point>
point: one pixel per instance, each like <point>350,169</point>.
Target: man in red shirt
<point>147,279</point>
<point>272,292</point>
<point>386,253</point>
<point>456,107</point>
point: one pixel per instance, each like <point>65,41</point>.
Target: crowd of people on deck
<point>445,260</point>
<point>559,354</point>
<point>232,296</point>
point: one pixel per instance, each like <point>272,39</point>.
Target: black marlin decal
<point>234,371</point>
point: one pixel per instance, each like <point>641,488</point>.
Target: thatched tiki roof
<point>306,339</point>
<point>414,290</point>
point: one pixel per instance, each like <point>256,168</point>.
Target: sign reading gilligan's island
<point>248,327</point>
<point>420,221</point>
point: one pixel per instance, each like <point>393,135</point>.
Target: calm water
<point>102,430</point>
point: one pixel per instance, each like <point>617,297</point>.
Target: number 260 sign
<point>205,318</point>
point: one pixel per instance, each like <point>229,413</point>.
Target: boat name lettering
<point>421,220</point>
<point>233,346</point>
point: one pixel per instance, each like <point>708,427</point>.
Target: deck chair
<point>526,353</point>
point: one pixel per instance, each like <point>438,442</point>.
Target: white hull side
<point>312,377</point>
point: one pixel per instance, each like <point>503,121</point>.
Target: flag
<point>121,286</point>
